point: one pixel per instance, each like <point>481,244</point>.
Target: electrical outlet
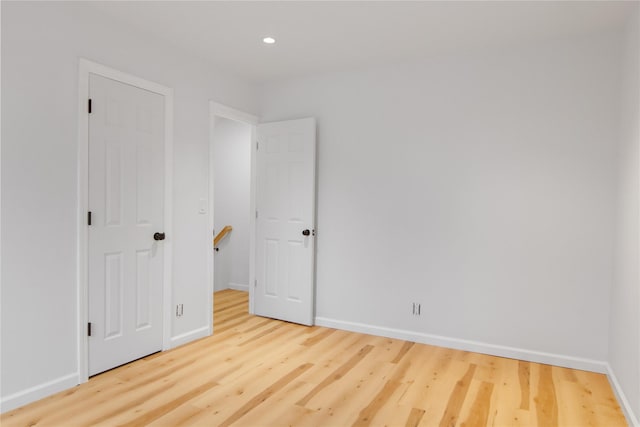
<point>179,310</point>
<point>416,309</point>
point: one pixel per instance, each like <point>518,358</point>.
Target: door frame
<point>219,110</point>
<point>87,67</point>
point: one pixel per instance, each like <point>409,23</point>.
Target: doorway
<point>230,195</point>
<point>124,217</point>
<point>282,159</point>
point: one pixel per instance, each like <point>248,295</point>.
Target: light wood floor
<point>262,372</point>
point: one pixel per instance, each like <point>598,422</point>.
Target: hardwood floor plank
<point>234,308</point>
<point>265,394</point>
<point>331,353</point>
<point>504,374</point>
<point>570,375</point>
<point>479,414</point>
<point>158,411</point>
<point>414,417</point>
<point>579,410</point>
<point>263,372</point>
<point>262,334</point>
<point>367,414</point>
<point>405,348</point>
<point>340,403</point>
<point>337,374</point>
<point>318,337</point>
<point>546,403</point>
<point>281,409</point>
<point>432,386</point>
<point>178,417</point>
<point>525,384</point>
<point>457,398</point>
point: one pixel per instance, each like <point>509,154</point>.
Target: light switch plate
<point>203,207</point>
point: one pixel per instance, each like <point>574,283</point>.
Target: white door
<point>126,190</point>
<point>285,223</point>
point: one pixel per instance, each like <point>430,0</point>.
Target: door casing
<point>220,110</point>
<point>85,68</point>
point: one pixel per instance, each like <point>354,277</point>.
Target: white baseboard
<point>238,286</point>
<point>193,335</point>
<point>41,391</point>
<point>632,418</point>
<point>467,345</point>
<point>38,392</point>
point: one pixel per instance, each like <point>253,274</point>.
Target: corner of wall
<point>622,398</point>
<point>189,336</point>
<point>239,286</point>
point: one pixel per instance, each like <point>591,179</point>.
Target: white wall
<point>41,44</point>
<point>624,339</point>
<point>232,173</point>
<point>480,184</point>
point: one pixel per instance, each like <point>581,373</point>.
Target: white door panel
<point>126,188</point>
<point>285,201</point>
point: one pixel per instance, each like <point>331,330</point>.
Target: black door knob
<point>306,232</point>
<point>158,236</point>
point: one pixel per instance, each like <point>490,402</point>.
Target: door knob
<point>158,236</point>
<point>306,232</point>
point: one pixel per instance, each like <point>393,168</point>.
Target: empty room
<point>320,213</point>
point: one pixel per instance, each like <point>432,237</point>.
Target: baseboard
<point>239,287</point>
<point>632,419</point>
<point>41,391</point>
<point>467,345</point>
<point>38,392</point>
<point>193,335</point>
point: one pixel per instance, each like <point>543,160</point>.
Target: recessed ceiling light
<point>269,40</point>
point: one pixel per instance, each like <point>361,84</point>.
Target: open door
<point>285,220</point>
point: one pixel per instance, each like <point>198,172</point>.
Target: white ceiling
<point>316,37</point>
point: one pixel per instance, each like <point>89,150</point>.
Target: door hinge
<point>256,213</point>
<point>257,145</point>
<point>89,329</point>
<point>89,106</point>
<point>89,218</point>
<point>255,283</point>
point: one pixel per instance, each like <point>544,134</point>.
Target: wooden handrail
<point>221,235</point>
